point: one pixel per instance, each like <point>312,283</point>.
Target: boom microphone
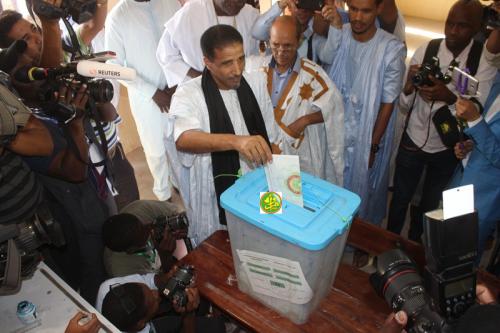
<point>28,74</point>
<point>104,71</point>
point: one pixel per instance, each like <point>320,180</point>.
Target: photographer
<point>428,99</point>
<point>132,245</point>
<point>131,302</point>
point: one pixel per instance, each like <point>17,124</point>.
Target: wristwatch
<point>374,148</point>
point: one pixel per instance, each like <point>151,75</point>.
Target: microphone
<point>104,71</point>
<point>10,55</point>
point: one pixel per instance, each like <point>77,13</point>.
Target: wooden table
<point>351,306</point>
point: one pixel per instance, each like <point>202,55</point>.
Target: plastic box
<point>288,261</point>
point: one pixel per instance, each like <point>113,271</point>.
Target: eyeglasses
<point>125,301</point>
<point>282,48</point>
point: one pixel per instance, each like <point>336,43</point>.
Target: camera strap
<point>74,49</point>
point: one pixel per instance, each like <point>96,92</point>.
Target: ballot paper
<point>458,201</point>
<point>283,175</point>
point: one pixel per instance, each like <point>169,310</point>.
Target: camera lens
<point>101,90</point>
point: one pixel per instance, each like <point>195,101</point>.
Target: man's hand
<point>484,295</point>
<point>291,4</point>
<point>254,148</point>
<point>395,323</point>
<point>463,148</point>
<point>192,303</point>
<point>167,243</point>
<point>162,99</point>
<point>75,97</point>
<point>107,112</point>
<point>298,127</point>
<point>92,326</point>
<point>330,13</point>
<point>438,92</point>
<point>409,87</point>
<point>467,110</point>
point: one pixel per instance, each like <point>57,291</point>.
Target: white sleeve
<point>114,42</point>
<point>485,75</point>
<point>262,25</point>
<point>329,48</point>
<point>183,109</point>
<point>170,59</point>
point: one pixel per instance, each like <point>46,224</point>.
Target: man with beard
<point>223,126</point>
<point>179,52</point>
<point>367,66</point>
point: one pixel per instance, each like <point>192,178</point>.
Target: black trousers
<point>410,163</point>
<point>124,178</point>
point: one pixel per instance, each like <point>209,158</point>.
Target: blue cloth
<point>483,168</point>
<point>367,74</point>
<point>280,80</point>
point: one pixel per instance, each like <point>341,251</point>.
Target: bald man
<point>421,145</point>
<point>307,106</point>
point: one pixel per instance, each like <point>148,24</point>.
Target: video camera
<point>421,78</point>
<point>79,10</point>
<point>18,247</point>
<point>448,287</point>
<point>175,288</point>
<point>90,71</point>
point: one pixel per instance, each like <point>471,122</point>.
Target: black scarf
<point>228,162</point>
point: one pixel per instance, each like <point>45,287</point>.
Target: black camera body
<point>79,10</point>
<point>175,288</point>
<point>450,273</point>
<point>491,17</point>
<point>421,78</point>
<point>310,4</point>
<point>173,223</point>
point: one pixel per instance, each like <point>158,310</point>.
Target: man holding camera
<point>134,244</point>
<point>367,65</point>
<point>132,302</point>
<point>426,98</point>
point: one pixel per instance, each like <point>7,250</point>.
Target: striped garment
<point>110,131</point>
<point>20,190</point>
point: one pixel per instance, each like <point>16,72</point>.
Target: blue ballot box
<point>288,261</point>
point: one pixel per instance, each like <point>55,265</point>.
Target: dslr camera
<point>447,290</point>
<point>79,10</point>
<point>310,4</point>
<point>421,78</point>
<point>171,223</point>
<point>490,16</point>
<point>175,288</point>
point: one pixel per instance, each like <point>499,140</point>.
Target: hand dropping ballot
<point>283,175</point>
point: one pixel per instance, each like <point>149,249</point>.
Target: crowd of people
<point>219,89</point>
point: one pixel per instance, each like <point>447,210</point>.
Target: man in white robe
<point>307,106</point>
<point>179,52</point>
<point>133,29</point>
<point>193,142</point>
<point>367,66</point>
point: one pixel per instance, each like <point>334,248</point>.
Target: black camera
<point>79,10</point>
<point>448,288</point>
<point>310,4</point>
<point>172,223</point>
<point>398,282</point>
<point>491,17</point>
<point>421,78</point>
<point>175,288</point>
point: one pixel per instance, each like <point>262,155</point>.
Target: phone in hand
<point>310,4</point>
<point>465,83</point>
